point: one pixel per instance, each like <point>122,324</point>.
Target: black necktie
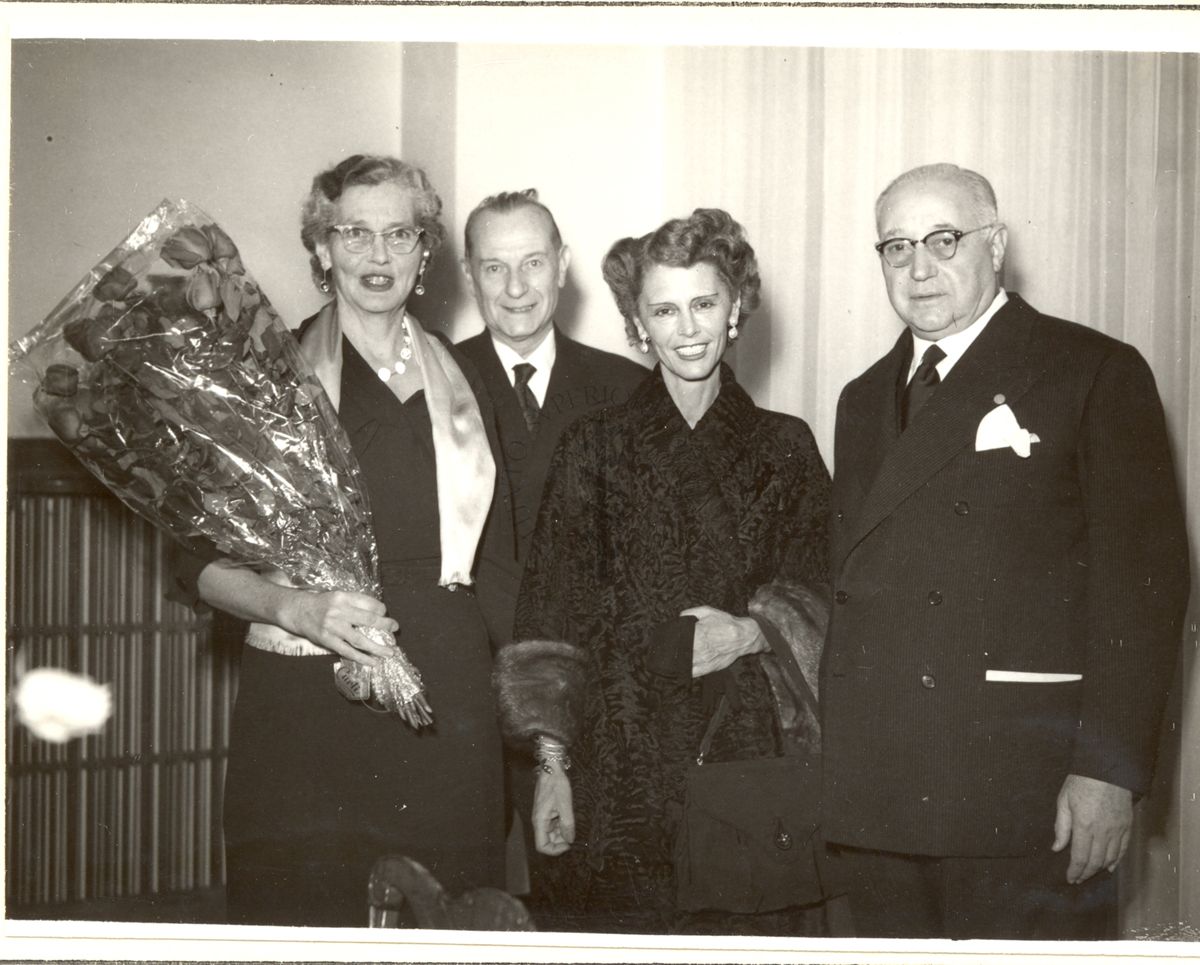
<point>525,397</point>
<point>921,386</point>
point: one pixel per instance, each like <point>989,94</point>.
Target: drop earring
<point>644,344</point>
<point>420,288</point>
<point>733,332</point>
<point>324,284</point>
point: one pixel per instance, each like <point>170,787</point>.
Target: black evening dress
<point>642,517</point>
<point>317,787</point>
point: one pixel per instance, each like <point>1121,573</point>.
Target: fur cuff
<point>539,686</point>
<point>801,613</point>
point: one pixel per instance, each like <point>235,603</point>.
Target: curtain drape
<point>1093,156</point>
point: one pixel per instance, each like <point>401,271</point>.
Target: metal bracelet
<point>547,752</point>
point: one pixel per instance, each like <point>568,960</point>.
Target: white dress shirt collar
<point>541,358</point>
<point>956,345</point>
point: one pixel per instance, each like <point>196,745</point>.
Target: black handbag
<point>748,838</point>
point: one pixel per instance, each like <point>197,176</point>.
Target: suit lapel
<point>871,424</point>
<point>504,398</point>
<point>997,364</point>
<point>559,407</point>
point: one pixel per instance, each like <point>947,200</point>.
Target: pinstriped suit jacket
<point>949,563</point>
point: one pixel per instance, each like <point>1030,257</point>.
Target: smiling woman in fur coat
<point>665,523</point>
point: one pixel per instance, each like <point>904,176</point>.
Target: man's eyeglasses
<point>358,239</point>
<point>942,244</point>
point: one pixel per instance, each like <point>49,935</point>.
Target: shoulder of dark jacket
<point>474,345</point>
<point>607,366</point>
<point>1077,340</point>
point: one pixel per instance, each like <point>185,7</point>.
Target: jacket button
<point>935,598</point>
<point>928,681</point>
<point>961,508</point>
<point>840,515</point>
<point>841,596</point>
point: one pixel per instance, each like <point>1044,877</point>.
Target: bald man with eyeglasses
<point>1010,581</point>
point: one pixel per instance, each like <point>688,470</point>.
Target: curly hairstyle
<point>319,212</point>
<point>708,235</point>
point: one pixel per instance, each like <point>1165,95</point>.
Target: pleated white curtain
<point>1094,158</point>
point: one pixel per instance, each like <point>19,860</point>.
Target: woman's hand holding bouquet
<point>169,375</point>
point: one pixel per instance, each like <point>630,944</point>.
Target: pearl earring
<point>733,332</point>
<point>644,344</point>
<point>324,285</point>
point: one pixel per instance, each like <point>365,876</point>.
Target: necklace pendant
<point>406,352</point>
<point>400,367</point>
<point>384,373</point>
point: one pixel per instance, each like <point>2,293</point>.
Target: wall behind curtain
<point>1094,160</point>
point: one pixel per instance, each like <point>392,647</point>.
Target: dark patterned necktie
<point>922,385</point>
<point>525,397</point>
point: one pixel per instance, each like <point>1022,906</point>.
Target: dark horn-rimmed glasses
<point>942,244</point>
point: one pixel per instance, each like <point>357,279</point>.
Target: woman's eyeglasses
<point>358,239</point>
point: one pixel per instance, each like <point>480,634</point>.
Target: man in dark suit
<point>539,380</point>
<point>1010,579</point>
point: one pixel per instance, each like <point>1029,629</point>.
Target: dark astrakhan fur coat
<point>641,518</point>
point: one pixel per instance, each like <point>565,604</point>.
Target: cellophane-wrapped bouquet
<point>172,379</point>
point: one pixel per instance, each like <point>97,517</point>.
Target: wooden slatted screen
<point>134,810</point>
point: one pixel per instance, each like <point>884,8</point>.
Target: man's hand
<point>1095,817</point>
<point>553,812</point>
<point>719,639</point>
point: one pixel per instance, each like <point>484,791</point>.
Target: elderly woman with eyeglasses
<point>317,786</point>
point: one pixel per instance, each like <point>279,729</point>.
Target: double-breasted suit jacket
<point>582,379</point>
<point>962,577</point>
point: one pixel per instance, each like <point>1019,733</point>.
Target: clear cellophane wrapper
<point>169,375</point>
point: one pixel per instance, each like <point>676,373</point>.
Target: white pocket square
<point>1027,677</point>
<point>999,429</point>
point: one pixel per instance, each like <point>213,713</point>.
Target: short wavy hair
<point>503,203</point>
<point>708,235</point>
<point>319,212</point>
